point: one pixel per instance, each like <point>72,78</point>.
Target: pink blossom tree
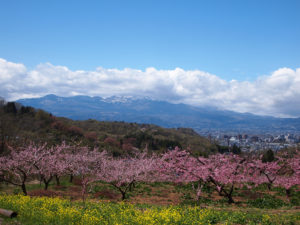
<point>51,164</point>
<point>122,173</point>
<point>81,162</point>
<point>181,167</point>
<point>19,165</point>
<point>263,172</point>
<point>289,174</point>
<point>223,171</point>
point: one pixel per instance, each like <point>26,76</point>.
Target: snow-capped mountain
<point>146,110</point>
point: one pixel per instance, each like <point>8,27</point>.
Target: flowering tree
<point>226,171</point>
<point>289,174</point>
<point>263,172</point>
<point>85,165</point>
<point>74,161</point>
<point>223,171</point>
<point>122,173</point>
<point>32,161</point>
<point>52,164</point>
<point>17,167</point>
<point>181,167</point>
<point>283,172</point>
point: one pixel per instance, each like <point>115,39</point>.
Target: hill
<point>144,110</point>
<point>19,124</point>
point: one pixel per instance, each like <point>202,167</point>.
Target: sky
<point>235,55</point>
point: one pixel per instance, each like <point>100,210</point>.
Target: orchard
<point>89,186</point>
<point>224,172</point>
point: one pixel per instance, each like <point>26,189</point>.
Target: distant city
<point>255,142</point>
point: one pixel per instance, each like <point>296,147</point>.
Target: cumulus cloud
<point>277,94</point>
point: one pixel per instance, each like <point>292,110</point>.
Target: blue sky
<point>240,55</point>
<point>233,39</point>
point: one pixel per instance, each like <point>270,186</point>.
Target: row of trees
<point>227,171</point>
<point>47,163</point>
<point>224,171</point>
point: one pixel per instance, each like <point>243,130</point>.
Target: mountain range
<point>162,113</point>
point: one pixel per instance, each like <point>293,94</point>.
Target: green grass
<point>268,201</point>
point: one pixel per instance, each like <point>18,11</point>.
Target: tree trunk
<point>288,192</point>
<point>230,199</point>
<point>123,195</point>
<point>46,185</point>
<point>46,182</point>
<point>8,213</point>
<point>2,146</point>
<point>270,181</point>
<point>228,194</point>
<point>71,178</point>
<point>131,186</point>
<point>24,189</point>
<point>57,180</point>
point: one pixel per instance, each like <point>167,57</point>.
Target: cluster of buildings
<point>256,142</point>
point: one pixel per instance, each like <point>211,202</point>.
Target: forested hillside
<point>19,124</point>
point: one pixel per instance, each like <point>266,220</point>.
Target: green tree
<point>236,150</point>
<point>268,156</point>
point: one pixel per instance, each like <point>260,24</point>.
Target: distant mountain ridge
<point>146,110</point>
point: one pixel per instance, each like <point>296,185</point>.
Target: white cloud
<point>277,94</point>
